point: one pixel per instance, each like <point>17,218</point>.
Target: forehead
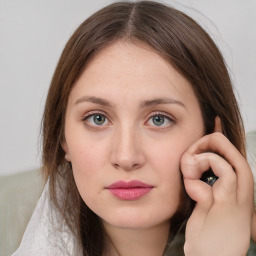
<point>125,69</point>
<point>135,59</point>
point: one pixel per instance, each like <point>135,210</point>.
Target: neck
<point>125,242</point>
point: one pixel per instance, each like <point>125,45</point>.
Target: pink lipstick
<point>131,190</point>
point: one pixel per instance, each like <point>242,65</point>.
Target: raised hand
<point>220,224</point>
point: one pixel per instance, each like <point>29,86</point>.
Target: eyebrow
<point>145,103</point>
<point>95,100</point>
<point>149,103</point>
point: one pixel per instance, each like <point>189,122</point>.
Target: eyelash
<point>92,114</point>
<point>167,117</point>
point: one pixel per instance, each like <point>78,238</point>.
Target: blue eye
<point>160,120</point>
<point>96,119</point>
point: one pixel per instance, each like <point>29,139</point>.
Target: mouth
<point>131,190</point>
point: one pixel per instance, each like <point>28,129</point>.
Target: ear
<point>65,148</point>
<point>217,126</point>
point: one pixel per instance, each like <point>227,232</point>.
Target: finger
<point>200,192</point>
<point>193,166</point>
<point>225,188</point>
<point>219,144</point>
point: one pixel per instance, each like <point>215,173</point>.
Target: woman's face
<point>129,118</point>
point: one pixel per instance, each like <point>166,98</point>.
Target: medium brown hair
<point>181,42</point>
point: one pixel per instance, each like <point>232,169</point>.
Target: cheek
<point>88,163</point>
<point>167,153</point>
<point>87,154</point>
<point>165,159</point>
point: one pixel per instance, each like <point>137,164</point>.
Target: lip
<point>130,190</point>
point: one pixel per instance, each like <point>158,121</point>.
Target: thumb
<point>200,192</point>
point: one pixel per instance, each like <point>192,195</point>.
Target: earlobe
<point>217,126</point>
<point>67,157</point>
<point>65,148</point>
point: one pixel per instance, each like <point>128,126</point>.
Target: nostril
<point>135,166</point>
<point>127,154</point>
<point>116,166</point>
<point>127,166</point>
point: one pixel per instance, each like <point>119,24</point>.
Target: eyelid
<point>161,113</point>
<point>87,115</point>
<point>93,112</point>
<point>164,114</point>
<point>155,113</point>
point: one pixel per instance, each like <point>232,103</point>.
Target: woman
<point>140,106</point>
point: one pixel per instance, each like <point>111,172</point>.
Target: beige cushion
<point>19,194</point>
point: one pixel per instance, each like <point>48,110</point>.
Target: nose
<point>127,150</point>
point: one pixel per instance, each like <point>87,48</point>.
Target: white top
<point>45,234</point>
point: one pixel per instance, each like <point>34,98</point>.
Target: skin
<point>221,221</point>
<point>254,226</point>
<point>121,84</point>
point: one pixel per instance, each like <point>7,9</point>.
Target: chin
<point>131,220</point>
